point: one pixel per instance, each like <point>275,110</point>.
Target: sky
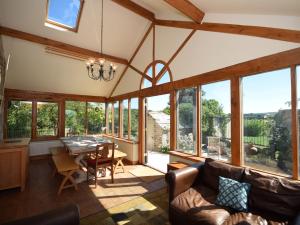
<point>64,11</point>
<point>262,93</point>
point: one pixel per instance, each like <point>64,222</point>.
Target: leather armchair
<point>67,215</point>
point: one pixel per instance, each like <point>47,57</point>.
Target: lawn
<point>260,140</point>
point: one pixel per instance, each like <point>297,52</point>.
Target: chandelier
<point>96,67</point>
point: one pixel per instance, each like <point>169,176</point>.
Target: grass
<point>260,140</point>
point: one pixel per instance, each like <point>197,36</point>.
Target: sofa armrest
<point>61,216</point>
<point>297,219</point>
<point>181,180</point>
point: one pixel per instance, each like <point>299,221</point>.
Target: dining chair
<point>102,159</point>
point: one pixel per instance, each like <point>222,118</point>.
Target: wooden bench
<point>66,166</point>
<point>57,150</point>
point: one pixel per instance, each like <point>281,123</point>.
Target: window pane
<point>149,71</point>
<point>109,113</point>
<point>186,117</point>
<point>96,117</point>
<point>47,119</point>
<point>215,120</point>
<point>165,79</point>
<point>134,123</point>
<point>64,12</point>
<point>298,105</point>
<point>116,118</point>
<point>158,68</point>
<point>19,119</point>
<point>267,121</point>
<point>146,83</point>
<point>125,118</point>
<point>75,118</point>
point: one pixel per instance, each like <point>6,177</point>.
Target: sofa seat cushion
<point>214,169</point>
<point>243,218</point>
<point>197,206</point>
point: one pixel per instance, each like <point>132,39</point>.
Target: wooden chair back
<point>103,153</point>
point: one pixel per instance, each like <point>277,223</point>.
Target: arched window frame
<point>153,65</point>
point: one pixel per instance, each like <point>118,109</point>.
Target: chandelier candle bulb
<point>101,61</point>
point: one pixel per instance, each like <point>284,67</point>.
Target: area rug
<point>148,209</point>
<point>146,173</point>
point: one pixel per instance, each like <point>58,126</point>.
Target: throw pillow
<point>233,194</point>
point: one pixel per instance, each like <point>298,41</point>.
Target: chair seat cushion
<point>92,162</point>
<point>197,205</point>
<point>249,218</point>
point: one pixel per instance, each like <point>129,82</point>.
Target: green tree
<point>280,143</point>
<point>19,119</point>
<point>47,118</point>
<point>95,117</point>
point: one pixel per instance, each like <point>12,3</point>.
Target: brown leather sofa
<point>193,191</point>
<point>66,215</point>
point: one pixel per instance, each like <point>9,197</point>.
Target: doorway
<point>157,132</point>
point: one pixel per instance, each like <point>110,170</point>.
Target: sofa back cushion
<point>273,194</point>
<point>214,169</point>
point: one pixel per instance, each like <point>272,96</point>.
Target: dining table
<point>80,146</point>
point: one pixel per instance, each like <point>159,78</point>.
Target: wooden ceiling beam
<point>141,73</point>
<point>255,31</point>
<point>136,9</point>
<point>57,44</point>
<point>188,9</point>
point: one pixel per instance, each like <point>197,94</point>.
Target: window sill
<point>45,138</point>
<point>120,139</point>
<point>187,156</point>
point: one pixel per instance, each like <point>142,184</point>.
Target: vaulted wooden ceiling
<point>126,23</point>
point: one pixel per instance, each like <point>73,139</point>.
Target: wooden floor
<point>41,193</point>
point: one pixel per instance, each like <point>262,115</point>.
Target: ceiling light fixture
<point>92,64</point>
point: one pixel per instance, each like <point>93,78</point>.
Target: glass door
<point>157,132</point>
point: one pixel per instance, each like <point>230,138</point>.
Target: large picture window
<point>215,120</point>
<point>134,123</point>
<point>125,118</point>
<point>116,119</point>
<point>267,121</point>
<point>95,117</point>
<point>75,116</point>
<point>19,119</point>
<point>109,118</point>
<point>47,119</point>
<point>186,120</point>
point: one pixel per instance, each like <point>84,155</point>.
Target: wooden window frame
<point>34,97</point>
<point>234,73</point>
<point>156,79</point>
<point>73,29</point>
<point>120,135</point>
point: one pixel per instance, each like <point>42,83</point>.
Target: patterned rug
<point>149,209</point>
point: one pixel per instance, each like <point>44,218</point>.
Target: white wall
<point>131,149</point>
<point>31,68</point>
<point>42,147</point>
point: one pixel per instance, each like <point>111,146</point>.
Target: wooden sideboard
<point>14,159</point>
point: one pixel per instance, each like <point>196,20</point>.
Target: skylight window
<point>64,13</point>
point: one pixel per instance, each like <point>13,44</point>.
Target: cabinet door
<point>10,169</point>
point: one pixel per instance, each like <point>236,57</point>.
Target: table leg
<point>82,176</point>
<point>119,164</point>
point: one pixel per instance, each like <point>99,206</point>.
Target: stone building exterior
<point>158,130</point>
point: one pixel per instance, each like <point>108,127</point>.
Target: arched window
<point>160,75</point>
